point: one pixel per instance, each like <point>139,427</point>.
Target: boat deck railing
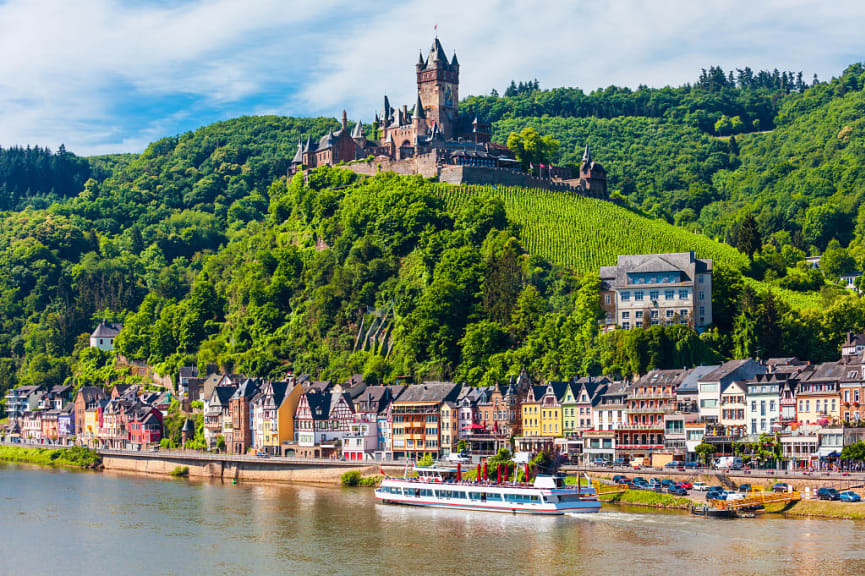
<point>755,498</point>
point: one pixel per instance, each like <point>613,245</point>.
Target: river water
<point>67,522</point>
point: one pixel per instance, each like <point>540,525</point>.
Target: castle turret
<point>593,177</point>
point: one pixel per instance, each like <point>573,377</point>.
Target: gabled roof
<point>319,404</point>
<point>223,394</point>
<point>247,390</point>
<point>689,382</point>
<point>187,371</point>
<point>733,370</point>
<point>429,392</point>
<point>91,394</point>
<point>106,330</point>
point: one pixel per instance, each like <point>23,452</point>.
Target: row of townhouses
<point>124,417</point>
<point>814,409</point>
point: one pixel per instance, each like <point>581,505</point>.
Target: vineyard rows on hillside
<point>586,233</point>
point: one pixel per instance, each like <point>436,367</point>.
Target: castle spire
<point>418,109</point>
<point>298,157</point>
<point>454,62</point>
<point>587,155</point>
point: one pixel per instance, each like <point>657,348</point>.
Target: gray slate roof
<point>430,392</point>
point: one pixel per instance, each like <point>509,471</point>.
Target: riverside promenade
<point>237,467</point>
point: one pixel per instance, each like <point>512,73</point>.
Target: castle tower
<point>593,177</point>
<point>438,89</point>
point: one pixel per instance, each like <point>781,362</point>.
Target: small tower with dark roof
<point>593,177</point>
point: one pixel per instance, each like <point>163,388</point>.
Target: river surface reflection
<point>62,522</point>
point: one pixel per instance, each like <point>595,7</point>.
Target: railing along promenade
<point>230,458</point>
<point>213,457</point>
<point>776,475</point>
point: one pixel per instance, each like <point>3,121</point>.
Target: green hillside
<point>586,233</point>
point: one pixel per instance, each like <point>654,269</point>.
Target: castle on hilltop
<point>432,139</point>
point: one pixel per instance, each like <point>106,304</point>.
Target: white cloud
<point>583,43</point>
<point>73,69</point>
<point>104,75</point>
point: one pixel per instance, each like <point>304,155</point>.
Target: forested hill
<point>207,254</point>
<point>707,155</point>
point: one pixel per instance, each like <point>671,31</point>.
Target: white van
<point>457,458</point>
<point>729,463</point>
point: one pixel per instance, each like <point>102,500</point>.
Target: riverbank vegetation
<point>74,457</point>
<point>821,509</point>
<point>354,478</point>
<point>180,472</point>
<point>647,498</point>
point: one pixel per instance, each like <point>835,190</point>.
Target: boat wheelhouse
<point>443,487</point>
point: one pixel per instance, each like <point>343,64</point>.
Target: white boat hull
<point>496,497</point>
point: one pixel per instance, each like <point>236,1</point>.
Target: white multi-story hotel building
<point>645,290</point>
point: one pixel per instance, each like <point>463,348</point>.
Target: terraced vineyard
<point>585,233</point>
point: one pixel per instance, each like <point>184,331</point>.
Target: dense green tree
<point>748,239</point>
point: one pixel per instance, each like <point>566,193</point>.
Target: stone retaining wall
<point>242,471</point>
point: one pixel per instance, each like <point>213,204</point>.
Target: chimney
<point>344,120</point>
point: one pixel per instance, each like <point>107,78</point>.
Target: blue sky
<point>107,76</point>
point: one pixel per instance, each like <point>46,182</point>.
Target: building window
<point>638,324</point>
<point>653,295</point>
<point>654,313</point>
<point>638,314</point>
<point>701,295</point>
<point>702,310</point>
<point>669,313</point>
<point>668,294</point>
<point>626,325</point>
<point>607,299</point>
<point>638,295</point>
<point>626,296</point>
<point>683,312</point>
<point>683,294</point>
<point>771,405</point>
<point>626,315</point>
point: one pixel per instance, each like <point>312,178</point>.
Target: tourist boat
<point>443,487</point>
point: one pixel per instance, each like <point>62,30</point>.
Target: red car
<point>684,484</point>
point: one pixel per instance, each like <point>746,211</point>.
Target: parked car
<point>734,496</point>
<point>673,464</point>
<point>684,484</point>
<point>828,494</point>
<point>261,454</point>
<point>667,482</point>
<point>692,465</point>
<point>619,462</point>
<point>459,458</point>
<point>850,496</point>
<point>781,487</point>
<point>639,480</point>
<point>624,480</point>
<point>677,491</point>
<point>700,486</point>
<point>716,495</point>
<point>618,477</point>
<point>600,462</point>
<point>744,488</point>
